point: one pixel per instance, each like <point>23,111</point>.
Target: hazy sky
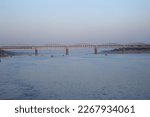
<point>74,21</point>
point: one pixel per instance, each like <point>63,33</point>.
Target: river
<point>80,75</point>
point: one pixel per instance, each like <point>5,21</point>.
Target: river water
<point>80,75</point>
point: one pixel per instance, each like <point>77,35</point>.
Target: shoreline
<point>127,51</point>
<point>4,53</point>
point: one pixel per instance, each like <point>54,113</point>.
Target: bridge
<point>67,47</point>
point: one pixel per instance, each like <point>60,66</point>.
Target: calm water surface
<point>77,76</point>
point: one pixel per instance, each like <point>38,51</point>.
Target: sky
<point>74,21</point>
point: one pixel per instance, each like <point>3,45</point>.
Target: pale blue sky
<point>74,21</point>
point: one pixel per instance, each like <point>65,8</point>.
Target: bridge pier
<point>36,51</point>
<point>123,50</point>
<point>67,51</point>
<point>0,54</point>
<point>95,51</point>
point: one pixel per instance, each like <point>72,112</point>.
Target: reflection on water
<point>77,76</point>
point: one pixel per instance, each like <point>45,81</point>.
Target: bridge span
<point>67,47</point>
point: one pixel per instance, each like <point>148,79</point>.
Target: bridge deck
<point>74,46</point>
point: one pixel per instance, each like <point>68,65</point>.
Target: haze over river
<point>80,75</point>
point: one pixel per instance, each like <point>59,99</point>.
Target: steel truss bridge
<point>67,47</point>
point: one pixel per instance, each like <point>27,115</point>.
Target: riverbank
<point>4,53</point>
<point>127,51</point>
